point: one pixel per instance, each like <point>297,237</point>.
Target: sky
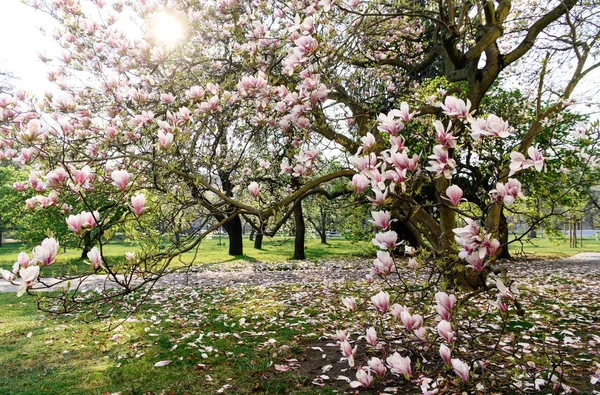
<point>21,41</point>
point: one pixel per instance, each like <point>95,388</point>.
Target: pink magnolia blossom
<point>518,162</point>
<point>536,157</point>
<point>411,322</point>
<point>381,301</point>
<point>456,108</point>
<point>461,369</point>
<point>399,365</point>
<point>371,336</point>
<point>444,300</point>
<point>404,113</point>
<point>381,219</point>
<point>368,142</point>
<point>254,189</point>
<point>120,178</point>
<point>443,136</point>
<point>388,123</point>
<point>138,202</point>
<point>454,194</point>
<point>440,163</point>
<point>23,260</point>
<point>444,329</point>
<point>29,274</point>
<point>46,252</point>
<point>165,140</point>
<point>363,378</point>
<point>8,275</point>
<point>397,310</point>
<point>377,366</point>
<point>387,240</point>
<point>348,352</point>
<point>507,193</point>
<point>384,263</point>
<point>95,258</point>
<point>83,176</point>
<point>359,183</point>
<point>445,353</point>
<point>83,221</point>
<point>380,198</point>
<point>19,186</point>
<point>349,303</point>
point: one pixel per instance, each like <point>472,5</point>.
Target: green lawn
<point>213,250</point>
<point>211,345</point>
<point>545,248</point>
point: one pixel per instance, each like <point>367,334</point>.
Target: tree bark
<point>258,241</point>
<point>236,240</point>
<point>300,232</point>
<point>88,244</point>
<point>503,236</point>
<point>1,229</point>
<point>252,233</point>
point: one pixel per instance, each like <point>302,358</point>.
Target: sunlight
<point>166,28</point>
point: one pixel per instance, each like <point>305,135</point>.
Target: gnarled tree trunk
<point>236,240</point>
<point>300,232</point>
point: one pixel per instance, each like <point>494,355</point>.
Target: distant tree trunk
<point>258,241</point>
<point>300,232</point>
<point>252,233</point>
<point>323,232</point>
<point>1,229</point>
<point>88,244</point>
<point>503,236</point>
<point>236,240</point>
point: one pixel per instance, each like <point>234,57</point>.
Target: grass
<point>210,251</point>
<point>549,249</point>
<point>214,345</point>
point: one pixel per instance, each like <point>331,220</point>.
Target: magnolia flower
<point>445,330</point>
<point>381,219</point>
<point>411,322</point>
<point>371,336</point>
<point>165,140</point>
<point>441,163</point>
<point>384,263</point>
<point>359,183</point>
<point>537,158</point>
<point>399,365</point>
<point>8,275</point>
<point>454,194</point>
<point>444,300</point>
<point>95,258</point>
<point>120,178</point>
<point>46,252</point>
<point>349,303</point>
<point>254,189</point>
<point>387,240</point>
<point>456,107</point>
<point>363,378</point>
<point>381,301</point>
<point>461,369</point>
<point>377,366</point>
<point>397,310</point>
<point>368,142</point>
<point>138,203</point>
<point>348,352</point>
<point>28,276</point>
<point>23,260</point>
<point>443,136</point>
<point>445,353</point>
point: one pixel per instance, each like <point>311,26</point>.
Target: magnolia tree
<point>145,133</point>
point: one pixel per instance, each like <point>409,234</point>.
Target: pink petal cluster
<point>254,189</point>
<point>381,301</point>
<point>83,221</point>
<point>138,202</point>
<point>45,253</point>
<point>120,178</point>
<point>493,126</point>
<point>95,258</point>
<point>453,194</point>
<point>456,108</point>
<point>507,193</point>
<point>387,240</point>
<point>399,365</point>
<point>440,162</point>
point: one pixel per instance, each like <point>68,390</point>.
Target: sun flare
<point>166,28</point>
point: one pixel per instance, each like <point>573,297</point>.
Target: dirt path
<point>587,264</point>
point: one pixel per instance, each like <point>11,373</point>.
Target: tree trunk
<point>258,241</point>
<point>252,233</point>
<point>1,230</point>
<point>88,244</point>
<point>323,235</point>
<point>236,240</point>
<point>503,236</point>
<point>300,232</point>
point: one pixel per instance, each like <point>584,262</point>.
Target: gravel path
<point>585,264</point>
